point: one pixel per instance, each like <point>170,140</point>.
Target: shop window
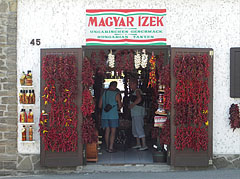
<point>235,72</point>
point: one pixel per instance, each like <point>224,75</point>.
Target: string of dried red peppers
<point>152,74</point>
<point>191,101</point>
<point>88,106</point>
<point>234,116</point>
<point>59,130</point>
<point>164,79</point>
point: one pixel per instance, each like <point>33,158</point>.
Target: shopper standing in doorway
<point>110,102</point>
<point>137,113</point>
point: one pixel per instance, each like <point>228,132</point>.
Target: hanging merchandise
<point>159,121</point>
<point>152,74</point>
<point>88,103</point>
<point>144,59</point>
<point>137,60</point>
<point>165,133</point>
<point>130,66</point>
<point>93,60</point>
<point>191,101</point>
<point>234,116</point>
<point>102,63</point>
<point>59,131</point>
<point>111,60</point>
<point>88,126</point>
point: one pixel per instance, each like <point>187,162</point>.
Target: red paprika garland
<point>234,116</point>
<point>88,106</point>
<point>164,79</point>
<point>58,130</point>
<point>191,101</point>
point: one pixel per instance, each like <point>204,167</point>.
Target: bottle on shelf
<point>24,97</point>
<point>30,133</point>
<point>24,133</point>
<point>22,116</point>
<point>33,97</point>
<point>30,116</point>
<point>28,80</point>
<point>27,97</point>
<point>25,115</point>
<point>22,79</point>
<point>21,97</point>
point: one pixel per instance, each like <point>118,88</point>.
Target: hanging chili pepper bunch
<point>88,106</point>
<point>126,65</point>
<point>154,104</point>
<point>191,137</point>
<point>165,133</point>
<point>130,63</point>
<point>102,63</point>
<point>152,74</point>
<point>87,73</point>
<point>59,131</point>
<point>88,130</point>
<point>43,128</point>
<point>164,79</point>
<point>93,60</point>
<point>191,101</point>
<point>88,103</point>
<point>234,116</point>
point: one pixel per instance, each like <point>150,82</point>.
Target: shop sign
<point>126,27</point>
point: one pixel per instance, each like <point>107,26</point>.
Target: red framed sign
<point>126,27</point>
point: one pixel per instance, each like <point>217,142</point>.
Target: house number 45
<point>35,42</point>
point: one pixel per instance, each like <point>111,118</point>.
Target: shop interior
<point>150,66</point>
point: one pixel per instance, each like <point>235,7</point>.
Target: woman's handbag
<point>107,107</point>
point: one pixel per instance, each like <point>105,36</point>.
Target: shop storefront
<point>185,78</point>
<point>187,143</point>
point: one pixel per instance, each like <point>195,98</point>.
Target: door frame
<point>60,159</point>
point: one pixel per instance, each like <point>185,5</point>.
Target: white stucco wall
<point>197,23</point>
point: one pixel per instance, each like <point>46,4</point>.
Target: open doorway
<point>150,67</point>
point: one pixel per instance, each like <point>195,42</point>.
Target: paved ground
<point>209,174</point>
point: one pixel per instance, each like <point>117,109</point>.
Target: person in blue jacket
<point>110,119</point>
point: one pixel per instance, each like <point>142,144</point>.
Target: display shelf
<point>27,142</point>
<point>25,105</point>
<point>27,123</point>
<point>24,86</point>
<point>160,103</point>
<point>161,91</point>
<point>161,114</point>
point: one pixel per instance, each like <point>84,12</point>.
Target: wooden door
<point>69,158</point>
<point>188,156</point>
